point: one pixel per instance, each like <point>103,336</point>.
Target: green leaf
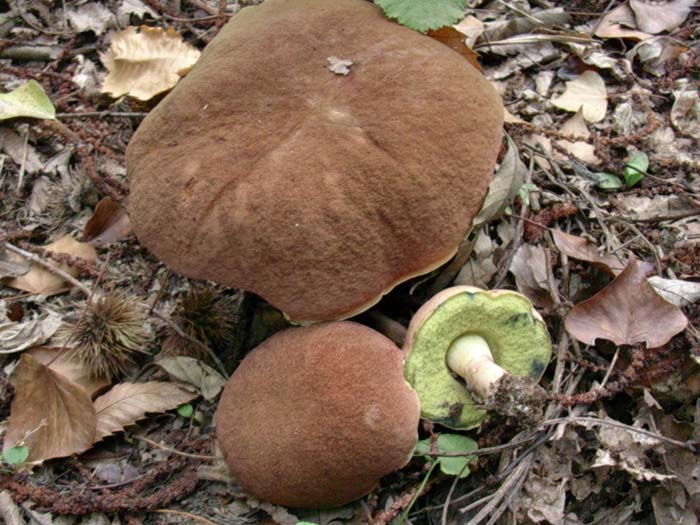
<point>424,15</point>
<point>185,410</point>
<point>16,455</point>
<point>636,168</point>
<point>28,100</point>
<point>607,181</point>
<point>454,443</point>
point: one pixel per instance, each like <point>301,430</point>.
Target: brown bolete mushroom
<point>468,350</point>
<point>320,191</point>
<point>315,416</point>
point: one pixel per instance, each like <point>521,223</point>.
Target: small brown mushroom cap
<point>265,170</point>
<point>315,416</point>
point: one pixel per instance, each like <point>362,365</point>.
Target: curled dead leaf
<point>126,403</point>
<point>628,311</point>
<point>192,371</point>
<point>109,223</point>
<point>529,266</point>
<point>145,61</point>
<point>619,23</point>
<point>454,39</point>
<point>584,250</point>
<point>50,414</point>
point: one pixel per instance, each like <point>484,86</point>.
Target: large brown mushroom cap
<point>320,192</point>
<point>315,416</point>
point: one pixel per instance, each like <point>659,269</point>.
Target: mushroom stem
<point>469,356</point>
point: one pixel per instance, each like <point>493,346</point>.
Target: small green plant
<point>424,15</point>
<point>636,168</point>
<point>15,455</point>
<point>185,410</point>
<point>524,192</point>
<point>456,465</point>
<point>634,172</point>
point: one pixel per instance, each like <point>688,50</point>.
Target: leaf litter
<point>578,105</point>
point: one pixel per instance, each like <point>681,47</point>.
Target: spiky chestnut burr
<point>107,335</point>
<point>206,317</point>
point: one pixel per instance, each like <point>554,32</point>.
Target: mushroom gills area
<point>518,342</point>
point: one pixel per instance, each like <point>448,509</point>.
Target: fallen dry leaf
<point>480,268</point>
<point>579,147</point>
<point>471,28</point>
<point>51,415</point>
<point>655,17</point>
<point>628,311</point>
<point>619,23</point>
<point>685,113</point>
<point>18,336</point>
<point>454,39</point>
<point>529,265</point>
<point>503,187</point>
<point>656,208</point>
<point>145,61</point>
<point>676,291</point>
<point>126,403</point>
<point>109,223</point>
<point>192,371</point>
<point>28,100</point>
<point>41,281</point>
<point>93,16</point>
<point>586,93</point>
<point>584,250</point>
<point>58,360</point>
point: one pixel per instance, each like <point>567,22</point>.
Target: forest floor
<point>594,216</point>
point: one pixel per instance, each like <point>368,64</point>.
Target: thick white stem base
<point>469,356</point>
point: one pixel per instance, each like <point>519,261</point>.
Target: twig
<point>187,515</point>
<point>510,486</point>
<point>50,267</point>
<point>200,4</point>
<point>617,424</point>
<point>173,450</point>
<point>85,114</point>
<point>483,451</point>
<point>22,168</point>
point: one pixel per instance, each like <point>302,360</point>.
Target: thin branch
<point>173,450</point>
<point>50,267</point>
<point>617,424</point>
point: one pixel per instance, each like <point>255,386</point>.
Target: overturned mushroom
<point>469,348</point>
<point>314,416</point>
<point>266,170</point>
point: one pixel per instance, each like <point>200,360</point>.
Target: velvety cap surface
<point>315,416</point>
<point>265,170</point>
